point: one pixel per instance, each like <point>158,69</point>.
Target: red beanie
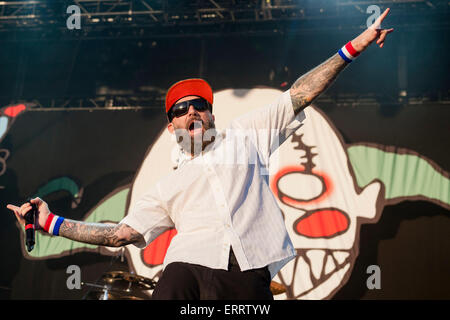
<point>188,87</point>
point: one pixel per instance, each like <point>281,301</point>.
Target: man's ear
<point>170,127</point>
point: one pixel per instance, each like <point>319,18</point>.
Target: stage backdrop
<point>364,191</point>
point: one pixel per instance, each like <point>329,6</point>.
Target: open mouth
<point>315,273</point>
<point>195,127</point>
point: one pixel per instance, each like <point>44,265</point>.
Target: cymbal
<point>100,295</point>
<point>128,279</point>
<point>121,285</point>
<point>277,288</point>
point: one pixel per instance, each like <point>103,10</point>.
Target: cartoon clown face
<point>323,208</point>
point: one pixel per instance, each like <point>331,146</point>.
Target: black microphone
<point>30,217</point>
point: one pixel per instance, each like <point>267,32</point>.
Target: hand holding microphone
<point>33,216</point>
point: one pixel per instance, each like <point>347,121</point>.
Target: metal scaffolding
<point>155,101</point>
<point>164,18</point>
<point>37,20</point>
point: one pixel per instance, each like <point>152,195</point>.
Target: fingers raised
<point>382,37</point>
<point>383,15</point>
<point>13,207</point>
<point>16,211</point>
<point>377,23</point>
<point>24,210</point>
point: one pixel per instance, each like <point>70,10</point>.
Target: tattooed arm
<point>111,235</point>
<point>312,84</point>
<point>309,86</point>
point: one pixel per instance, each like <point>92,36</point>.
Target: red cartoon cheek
<point>322,223</point>
<point>155,252</point>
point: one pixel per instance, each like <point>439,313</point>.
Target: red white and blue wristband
<point>348,53</point>
<point>53,224</point>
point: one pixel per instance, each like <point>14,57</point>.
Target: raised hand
<point>374,32</point>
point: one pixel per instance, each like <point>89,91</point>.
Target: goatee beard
<point>196,144</point>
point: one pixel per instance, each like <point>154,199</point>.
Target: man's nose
<point>192,110</point>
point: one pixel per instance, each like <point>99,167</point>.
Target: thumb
<point>37,201</point>
<point>13,208</point>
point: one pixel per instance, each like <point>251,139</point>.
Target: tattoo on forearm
<point>99,233</point>
<point>310,85</point>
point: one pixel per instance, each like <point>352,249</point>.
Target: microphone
<point>30,217</point>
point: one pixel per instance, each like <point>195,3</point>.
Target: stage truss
<point>46,20</point>
<point>42,19</point>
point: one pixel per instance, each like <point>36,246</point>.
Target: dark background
<point>79,68</point>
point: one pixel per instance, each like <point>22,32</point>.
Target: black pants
<point>185,281</point>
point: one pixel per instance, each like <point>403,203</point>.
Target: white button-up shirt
<point>222,197</point>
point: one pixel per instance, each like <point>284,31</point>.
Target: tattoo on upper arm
<point>310,85</point>
<point>113,235</point>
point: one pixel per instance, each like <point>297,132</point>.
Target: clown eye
<point>301,186</point>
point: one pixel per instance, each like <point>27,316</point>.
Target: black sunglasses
<point>180,109</point>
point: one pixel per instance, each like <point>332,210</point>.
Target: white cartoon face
<point>315,190</point>
<point>322,208</point>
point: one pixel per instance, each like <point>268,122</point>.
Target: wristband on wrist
<point>53,224</point>
<point>348,53</point>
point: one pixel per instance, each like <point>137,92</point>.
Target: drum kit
<point>122,285</point>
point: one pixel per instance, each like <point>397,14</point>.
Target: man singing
<point>231,238</point>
